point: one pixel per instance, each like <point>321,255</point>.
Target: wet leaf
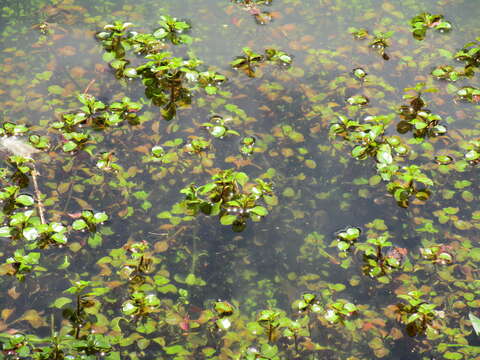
<point>34,318</point>
<point>475,323</point>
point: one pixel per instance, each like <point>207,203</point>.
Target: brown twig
<point>88,86</point>
<point>38,195</point>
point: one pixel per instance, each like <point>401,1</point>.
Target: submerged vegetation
<point>252,224</point>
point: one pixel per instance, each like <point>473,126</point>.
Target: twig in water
<point>89,86</point>
<point>38,195</point>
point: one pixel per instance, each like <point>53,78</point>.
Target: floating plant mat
<point>239,179</point>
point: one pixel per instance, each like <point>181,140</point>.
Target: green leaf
<point>288,192</point>
<point>25,200</point>
<point>61,302</point>
<point>228,219</point>
<point>350,307</point>
<point>413,317</point>
<point>259,210</point>
<point>384,155</point>
<point>269,351</point>
<point>223,308</point>
<point>343,245</point>
<point>100,217</point>
<point>218,131</point>
<point>176,349</point>
<point>69,146</point>
<point>358,151</point>
<point>46,75</point>
<point>237,62</point>
<point>129,308</point>
<point>65,264</point>
<point>30,233</point>
<point>108,56</point>
<point>55,89</point>
<point>5,231</point>
<point>160,33</point>
<point>438,72</point>
<point>475,323</point>
<point>79,224</point>
<point>95,240</point>
<point>472,155</point>
<point>445,53</point>
<point>241,178</point>
<point>452,355</point>
<point>59,238</point>
<point>211,90</point>
<point>190,279</point>
<point>130,72</point>
<point>224,323</point>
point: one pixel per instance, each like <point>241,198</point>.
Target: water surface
<point>321,189</point>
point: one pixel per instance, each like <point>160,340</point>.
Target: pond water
<point>367,244</point>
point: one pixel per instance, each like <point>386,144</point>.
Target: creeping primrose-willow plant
<point>229,196</point>
<point>173,29</point>
<point>470,55</point>
<point>417,314</point>
<point>95,113</point>
<point>422,22</point>
<point>470,94</point>
<point>380,43</point>
<point>370,141</point>
<point>250,59</point>
<point>169,81</point>
<point>218,127</point>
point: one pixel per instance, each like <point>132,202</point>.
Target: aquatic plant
<point>173,30</point>
<point>96,114</point>
<point>378,263</point>
<point>151,285</point>
<point>250,60</point>
<point>470,55</point>
<point>22,263</point>
<point>229,196</point>
<point>197,145</point>
<point>417,117</point>
<point>417,314</point>
<point>447,72</point>
<point>217,127</point>
<point>469,93</point>
<point>438,254</point>
<point>169,81</point>
<point>406,184</point>
<point>473,151</point>
<point>247,145</point>
<point>339,311</point>
<point>346,238</point>
<point>359,34</point>
<point>380,43</point>
<point>424,21</point>
<point>114,37</point>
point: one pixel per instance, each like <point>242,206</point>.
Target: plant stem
<point>77,325</point>
<point>38,195</point>
<point>88,86</point>
<point>309,327</point>
<point>194,255</point>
